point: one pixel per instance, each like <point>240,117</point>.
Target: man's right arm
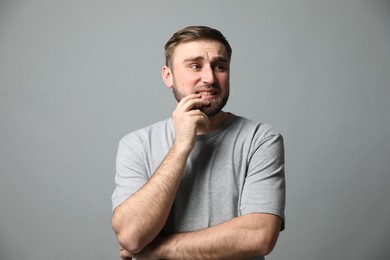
<point>140,218</point>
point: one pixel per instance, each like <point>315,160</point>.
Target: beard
<point>215,106</point>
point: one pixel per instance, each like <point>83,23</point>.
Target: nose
<point>208,76</point>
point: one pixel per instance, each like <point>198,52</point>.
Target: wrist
<point>183,148</point>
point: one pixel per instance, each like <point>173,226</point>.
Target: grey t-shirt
<point>235,170</point>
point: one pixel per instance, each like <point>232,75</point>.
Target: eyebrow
<point>198,58</point>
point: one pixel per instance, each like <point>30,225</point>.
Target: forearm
<point>139,219</point>
<point>242,237</point>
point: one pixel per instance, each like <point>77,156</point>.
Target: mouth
<point>207,93</point>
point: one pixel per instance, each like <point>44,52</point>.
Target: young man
<point>203,184</point>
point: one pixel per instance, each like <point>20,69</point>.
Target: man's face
<point>200,67</point>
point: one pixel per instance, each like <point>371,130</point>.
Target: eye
<point>220,67</point>
<point>195,66</point>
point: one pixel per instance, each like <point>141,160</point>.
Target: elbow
<point>265,250</point>
<point>126,235</point>
<point>265,244</point>
<point>129,242</point>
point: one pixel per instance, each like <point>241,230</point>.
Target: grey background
<point>76,76</point>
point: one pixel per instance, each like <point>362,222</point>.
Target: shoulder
<point>144,134</point>
<point>257,130</point>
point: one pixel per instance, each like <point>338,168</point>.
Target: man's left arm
<point>242,237</point>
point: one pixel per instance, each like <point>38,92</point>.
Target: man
<point>203,184</point>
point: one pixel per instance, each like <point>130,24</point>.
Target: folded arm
<point>140,218</point>
<point>242,237</point>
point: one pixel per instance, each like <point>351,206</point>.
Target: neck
<point>216,121</point>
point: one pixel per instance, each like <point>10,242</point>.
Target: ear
<point>167,76</point>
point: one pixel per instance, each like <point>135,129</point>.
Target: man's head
<point>198,62</point>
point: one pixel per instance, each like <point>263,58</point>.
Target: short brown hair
<point>192,33</point>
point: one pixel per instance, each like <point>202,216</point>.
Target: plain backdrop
<point>76,76</point>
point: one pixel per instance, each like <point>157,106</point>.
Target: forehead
<point>205,49</point>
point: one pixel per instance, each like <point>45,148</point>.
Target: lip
<point>207,93</point>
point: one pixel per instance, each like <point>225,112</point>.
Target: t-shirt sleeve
<point>131,174</point>
<point>264,188</point>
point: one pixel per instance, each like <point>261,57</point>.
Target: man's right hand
<point>188,120</point>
